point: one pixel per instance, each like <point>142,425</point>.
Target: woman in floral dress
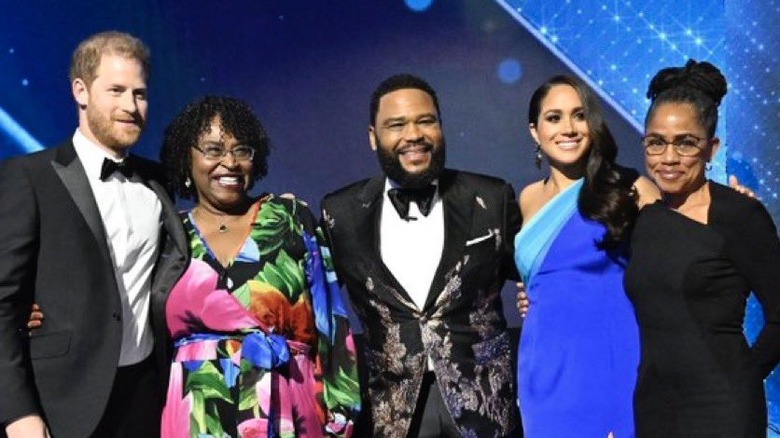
<point>262,344</point>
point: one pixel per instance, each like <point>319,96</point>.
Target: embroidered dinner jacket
<point>461,327</point>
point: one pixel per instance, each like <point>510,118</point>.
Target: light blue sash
<point>535,238</point>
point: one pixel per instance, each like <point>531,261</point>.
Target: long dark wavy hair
<point>183,133</point>
<point>607,196</point>
<point>700,84</point>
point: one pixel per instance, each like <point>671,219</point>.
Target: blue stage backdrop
<point>618,46</point>
<point>308,69</point>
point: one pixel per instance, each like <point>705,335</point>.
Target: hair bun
<point>701,76</point>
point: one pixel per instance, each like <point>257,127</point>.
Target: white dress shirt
<point>131,216</point>
<point>412,249</point>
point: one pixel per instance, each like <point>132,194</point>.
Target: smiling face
<point>221,184</point>
<point>675,174</point>
<point>407,137</point>
<point>561,128</point>
<point>112,109</point>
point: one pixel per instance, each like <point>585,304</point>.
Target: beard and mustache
<point>390,161</point>
<point>102,127</point>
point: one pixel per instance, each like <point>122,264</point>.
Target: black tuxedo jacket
<point>461,327</point>
<point>53,251</point>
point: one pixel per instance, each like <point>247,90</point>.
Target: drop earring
<point>538,157</point>
<point>187,182</point>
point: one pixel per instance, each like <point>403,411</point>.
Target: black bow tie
<point>110,166</point>
<point>423,196</point>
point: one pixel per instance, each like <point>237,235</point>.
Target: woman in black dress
<point>695,258</point>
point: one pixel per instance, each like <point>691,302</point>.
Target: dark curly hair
<point>700,84</point>
<point>183,133</point>
<point>401,81</point>
<point>607,195</point>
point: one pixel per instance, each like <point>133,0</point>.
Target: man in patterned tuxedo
<point>424,252</point>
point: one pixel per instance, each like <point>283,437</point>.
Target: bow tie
<point>110,166</point>
<point>423,196</point>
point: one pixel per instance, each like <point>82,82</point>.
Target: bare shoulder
<point>531,199</point>
<point>647,191</point>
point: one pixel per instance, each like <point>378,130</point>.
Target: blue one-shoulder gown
<point>579,347</point>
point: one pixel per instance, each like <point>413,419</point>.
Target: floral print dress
<point>263,346</point>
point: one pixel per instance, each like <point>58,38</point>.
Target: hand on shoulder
<point>734,184</point>
<point>292,197</point>
<point>647,191</point>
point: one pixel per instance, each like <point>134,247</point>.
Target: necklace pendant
<point>223,228</point>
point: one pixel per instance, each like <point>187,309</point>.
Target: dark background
<point>308,69</point>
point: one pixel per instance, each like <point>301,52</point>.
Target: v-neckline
<point>235,253</point>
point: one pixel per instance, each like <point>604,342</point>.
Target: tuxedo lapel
<point>170,216</point>
<point>371,199</point>
<point>458,208</point>
<point>70,171</point>
<point>171,264</point>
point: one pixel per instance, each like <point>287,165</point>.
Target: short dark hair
<point>396,82</point>
<point>182,134</point>
<point>700,84</point>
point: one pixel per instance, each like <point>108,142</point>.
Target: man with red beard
<point>424,252</point>
<point>82,225</point>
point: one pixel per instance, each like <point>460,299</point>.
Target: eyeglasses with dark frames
<point>216,152</point>
<point>684,145</point>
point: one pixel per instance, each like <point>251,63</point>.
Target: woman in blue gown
<point>579,347</point>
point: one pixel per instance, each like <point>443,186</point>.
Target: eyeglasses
<point>214,152</point>
<point>685,146</point>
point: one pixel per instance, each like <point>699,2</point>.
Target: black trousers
<point>135,405</point>
<point>431,418</point>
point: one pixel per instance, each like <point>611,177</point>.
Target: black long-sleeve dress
<point>689,282</point>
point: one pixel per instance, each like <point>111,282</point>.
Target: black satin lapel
<point>75,180</point>
<point>171,265</point>
<point>370,201</point>
<point>368,226</point>
<point>170,217</point>
<point>458,208</point>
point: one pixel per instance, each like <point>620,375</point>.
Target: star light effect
<point>617,46</point>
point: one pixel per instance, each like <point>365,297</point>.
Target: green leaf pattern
<point>277,230</point>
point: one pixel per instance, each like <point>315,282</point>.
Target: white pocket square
<point>480,238</point>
